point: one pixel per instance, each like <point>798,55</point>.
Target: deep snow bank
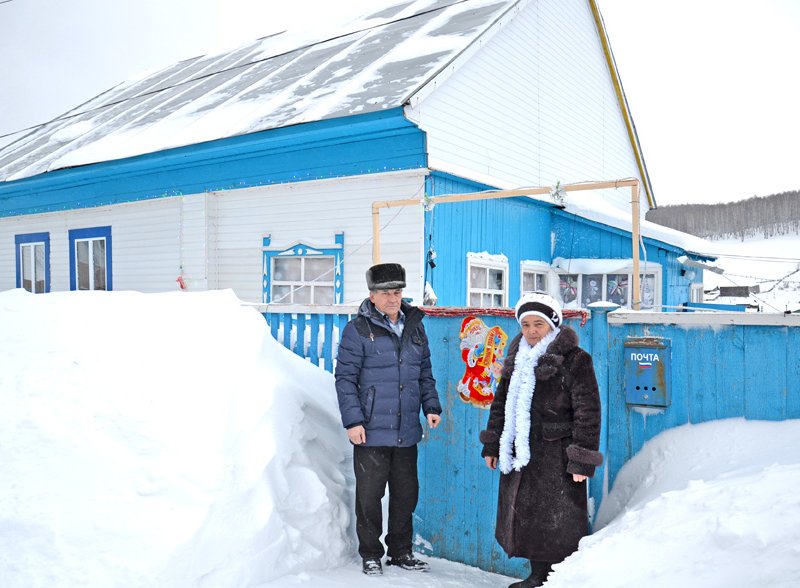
<point>162,440</point>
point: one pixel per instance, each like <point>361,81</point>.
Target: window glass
<point>281,294</point>
<point>318,268</point>
<point>648,289</point>
<point>497,301</point>
<point>38,273</point>
<point>477,277</point>
<point>495,279</point>
<point>323,295</point>
<point>568,288</point>
<point>475,299</point>
<point>99,263</point>
<point>301,295</point>
<point>528,282</point>
<point>592,288</point>
<point>25,261</point>
<point>287,269</point>
<point>617,289</point>
<point>82,249</point>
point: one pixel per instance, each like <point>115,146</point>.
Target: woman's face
<point>534,329</point>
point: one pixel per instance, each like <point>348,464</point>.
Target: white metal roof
<point>281,80</point>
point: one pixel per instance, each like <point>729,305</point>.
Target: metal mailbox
<point>647,371</point>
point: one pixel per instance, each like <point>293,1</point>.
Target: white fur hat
<point>539,304</point>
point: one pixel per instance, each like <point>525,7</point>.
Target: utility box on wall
<point>647,371</point>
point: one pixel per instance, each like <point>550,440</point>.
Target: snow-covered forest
<point>759,216</point>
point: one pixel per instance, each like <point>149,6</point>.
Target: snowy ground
<point>166,440</point>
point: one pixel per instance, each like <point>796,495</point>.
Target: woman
<point>543,434</point>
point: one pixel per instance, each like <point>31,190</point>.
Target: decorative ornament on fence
<point>482,349</point>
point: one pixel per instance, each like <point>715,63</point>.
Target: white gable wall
<point>534,106</point>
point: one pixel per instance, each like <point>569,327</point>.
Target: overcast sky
<point>712,84</point>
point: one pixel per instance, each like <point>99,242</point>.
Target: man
<point>383,378</point>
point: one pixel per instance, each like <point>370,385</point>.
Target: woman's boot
<point>539,572</point>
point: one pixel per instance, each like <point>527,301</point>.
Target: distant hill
<point>759,216</point>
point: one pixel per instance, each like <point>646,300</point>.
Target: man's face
<point>387,301</point>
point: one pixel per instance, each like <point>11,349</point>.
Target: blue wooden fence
<point>723,365</point>
<point>309,331</point>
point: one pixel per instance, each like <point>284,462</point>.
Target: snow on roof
<point>376,63</point>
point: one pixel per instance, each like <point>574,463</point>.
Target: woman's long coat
<point>541,510</point>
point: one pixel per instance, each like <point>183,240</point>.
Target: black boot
<point>539,572</point>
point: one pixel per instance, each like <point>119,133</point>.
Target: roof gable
<point>277,81</point>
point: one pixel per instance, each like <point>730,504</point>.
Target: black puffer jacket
<point>541,510</point>
<point>382,380</point>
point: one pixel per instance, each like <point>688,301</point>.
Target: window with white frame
<point>303,280</point>
<point>33,262</point>
<point>696,292</point>
<point>487,283</point>
<point>594,282</point>
<point>90,259</point>
<point>303,273</point>
<point>533,277</point>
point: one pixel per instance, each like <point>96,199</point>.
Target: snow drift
<point>160,440</point>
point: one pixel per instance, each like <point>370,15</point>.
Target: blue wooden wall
<point>718,372</point>
<point>519,228</point>
<point>724,371</point>
<point>458,493</point>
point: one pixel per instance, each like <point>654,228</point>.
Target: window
<point>90,259</point>
<point>303,274</point>
<point>696,292</point>
<point>533,277</point>
<point>303,280</point>
<point>33,262</point>
<point>487,284</point>
<point>594,280</point>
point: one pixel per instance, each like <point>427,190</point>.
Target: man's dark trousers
<point>375,467</point>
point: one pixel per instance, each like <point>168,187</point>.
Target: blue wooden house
<point>257,169</point>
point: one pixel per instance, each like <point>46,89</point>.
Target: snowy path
<point>443,574</point>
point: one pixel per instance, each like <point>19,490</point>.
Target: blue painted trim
<point>33,238</point>
<point>304,250</point>
<point>354,145</point>
<point>89,233</point>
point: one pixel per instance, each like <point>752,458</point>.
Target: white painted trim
<point>702,318</point>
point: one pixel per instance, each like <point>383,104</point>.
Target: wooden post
<point>636,295</point>
<point>376,233</point>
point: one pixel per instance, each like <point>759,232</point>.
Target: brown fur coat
<point>541,511</point>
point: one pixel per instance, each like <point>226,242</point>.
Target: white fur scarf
<point>517,427</point>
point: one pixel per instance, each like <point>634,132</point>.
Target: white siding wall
<point>215,240</point>
<point>313,212</point>
<point>144,243</point>
<point>194,241</point>
<point>534,106</point>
